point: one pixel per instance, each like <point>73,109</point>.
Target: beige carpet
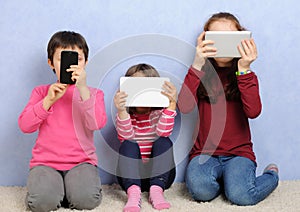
<point>285,198</point>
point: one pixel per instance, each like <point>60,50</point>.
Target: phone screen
<point>68,58</point>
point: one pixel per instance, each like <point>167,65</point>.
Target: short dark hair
<point>65,39</point>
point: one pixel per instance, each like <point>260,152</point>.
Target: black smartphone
<point>67,59</point>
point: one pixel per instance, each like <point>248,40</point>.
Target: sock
<point>157,198</point>
<point>134,199</point>
<point>271,167</point>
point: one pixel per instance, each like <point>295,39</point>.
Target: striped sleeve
<point>165,123</point>
<point>124,129</point>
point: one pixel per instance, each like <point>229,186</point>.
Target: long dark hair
<point>205,90</point>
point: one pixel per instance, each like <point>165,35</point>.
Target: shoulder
<point>96,90</point>
<point>41,89</point>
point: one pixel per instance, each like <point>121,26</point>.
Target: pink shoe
<point>134,199</point>
<point>157,199</point>
<point>271,167</point>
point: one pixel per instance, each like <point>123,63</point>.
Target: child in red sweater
<point>227,95</point>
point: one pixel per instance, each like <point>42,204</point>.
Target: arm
<point>248,83</point>
<point>94,110</point>
<point>123,121</point>
<point>124,129</point>
<point>249,89</point>
<point>187,98</point>
<point>165,123</point>
<point>34,113</point>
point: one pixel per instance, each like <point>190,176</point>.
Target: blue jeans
<point>207,176</point>
<point>160,170</point>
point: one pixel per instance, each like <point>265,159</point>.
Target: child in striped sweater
<point>146,161</point>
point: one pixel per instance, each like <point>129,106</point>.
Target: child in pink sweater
<point>63,168</point>
<point>146,160</point>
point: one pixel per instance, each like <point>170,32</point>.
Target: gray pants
<point>79,188</point>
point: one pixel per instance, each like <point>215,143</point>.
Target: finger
<point>253,43</point>
<point>200,38</point>
<point>209,49</point>
<point>242,52</point>
<point>74,66</point>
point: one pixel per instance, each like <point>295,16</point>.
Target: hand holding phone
<point>68,58</point>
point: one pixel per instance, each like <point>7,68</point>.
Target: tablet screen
<point>226,42</point>
<point>144,91</point>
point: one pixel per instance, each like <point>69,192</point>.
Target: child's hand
<point>78,75</point>
<point>120,101</point>
<point>249,54</point>
<point>170,91</point>
<point>203,50</point>
<point>55,92</point>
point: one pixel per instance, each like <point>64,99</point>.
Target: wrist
<point>239,73</point>
<point>84,92</point>
<point>198,63</point>
<point>47,103</point>
<point>123,114</point>
<point>172,105</point>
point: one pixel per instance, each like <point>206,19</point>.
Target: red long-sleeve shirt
<point>223,126</point>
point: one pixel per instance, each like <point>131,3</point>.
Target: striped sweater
<point>146,128</point>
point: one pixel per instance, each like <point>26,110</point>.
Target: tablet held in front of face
<point>144,91</point>
<point>227,42</point>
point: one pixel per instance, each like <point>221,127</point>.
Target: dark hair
<point>205,89</point>
<point>148,71</point>
<point>65,39</point>
<point>226,16</point>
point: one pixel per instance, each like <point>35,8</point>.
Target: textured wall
<point>26,27</point>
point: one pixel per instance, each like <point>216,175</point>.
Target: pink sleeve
<point>124,129</point>
<point>94,110</point>
<point>165,123</point>
<point>34,113</point>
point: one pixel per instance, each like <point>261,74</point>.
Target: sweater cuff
<point>196,72</point>
<point>89,103</point>
<point>123,121</point>
<point>246,76</point>
<point>40,111</point>
<point>169,112</point>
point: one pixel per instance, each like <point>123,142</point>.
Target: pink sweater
<point>65,132</point>
<point>145,129</point>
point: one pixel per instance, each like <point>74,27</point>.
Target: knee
<point>163,143</point>
<point>240,197</point>
<point>43,202</point>
<point>84,200</point>
<point>201,188</point>
<point>129,148</point>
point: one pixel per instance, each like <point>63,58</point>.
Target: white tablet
<point>144,91</point>
<point>226,42</point>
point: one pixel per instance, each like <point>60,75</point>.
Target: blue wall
<point>26,27</point>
